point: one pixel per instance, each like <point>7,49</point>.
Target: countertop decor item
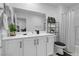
<point>37,31</point>
<point>12,29</point>
<point>51,20</point>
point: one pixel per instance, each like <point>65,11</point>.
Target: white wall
<point>49,10</point>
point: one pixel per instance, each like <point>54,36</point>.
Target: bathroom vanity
<point>29,45</point>
<point>41,44</point>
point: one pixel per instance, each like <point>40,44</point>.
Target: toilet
<point>59,46</point>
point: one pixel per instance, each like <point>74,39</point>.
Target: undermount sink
<point>24,34</point>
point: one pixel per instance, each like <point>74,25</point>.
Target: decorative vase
<point>12,34</point>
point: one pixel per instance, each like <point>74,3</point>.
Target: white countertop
<point>26,36</point>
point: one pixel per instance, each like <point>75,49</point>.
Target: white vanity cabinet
<point>13,47</point>
<point>29,46</point>
<point>50,45</point>
<point>35,46</point>
<point>41,46</point>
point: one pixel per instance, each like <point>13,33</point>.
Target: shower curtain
<point>68,32</point>
<point>71,32</point>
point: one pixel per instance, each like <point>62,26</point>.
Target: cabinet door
<point>13,47</point>
<point>41,46</point>
<point>30,47</point>
<point>50,45</point>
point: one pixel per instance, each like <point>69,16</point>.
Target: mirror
<point>21,24</point>
<point>29,20</point>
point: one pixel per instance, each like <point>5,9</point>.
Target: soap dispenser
<point>37,31</point>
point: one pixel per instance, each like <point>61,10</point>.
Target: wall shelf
<point>53,28</point>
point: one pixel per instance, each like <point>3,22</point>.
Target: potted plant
<point>12,29</point>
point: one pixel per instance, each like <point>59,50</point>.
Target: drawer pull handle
<point>34,42</point>
<point>20,44</point>
<point>47,40</point>
<point>37,41</point>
